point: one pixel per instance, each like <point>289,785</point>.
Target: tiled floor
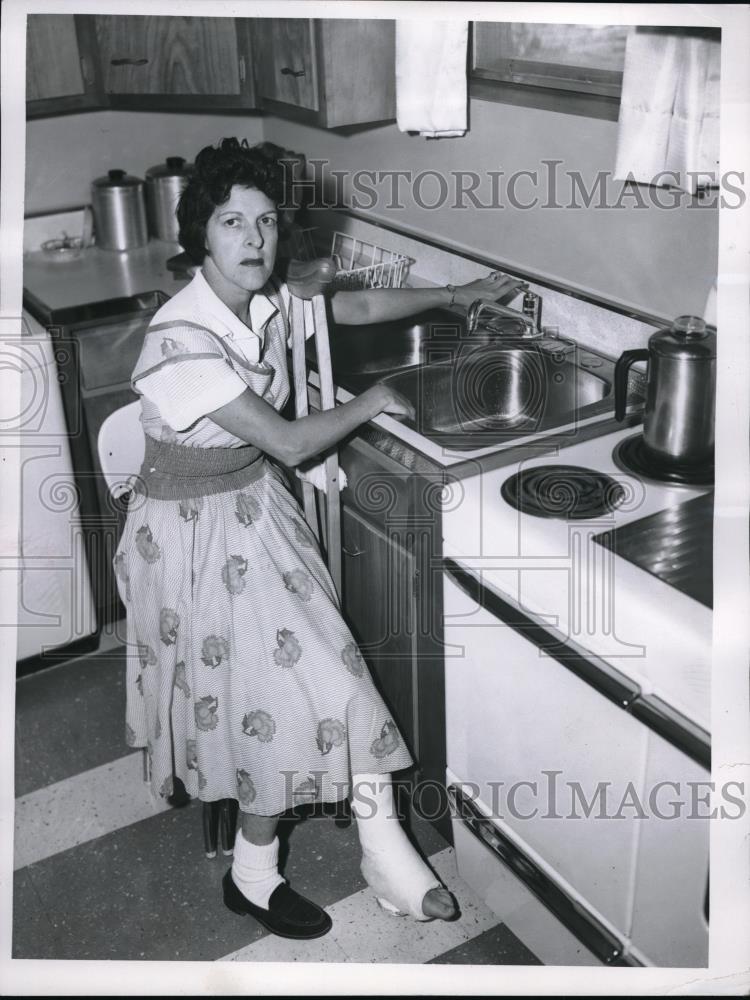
<point>104,872</point>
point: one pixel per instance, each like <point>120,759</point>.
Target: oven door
<point>560,766</point>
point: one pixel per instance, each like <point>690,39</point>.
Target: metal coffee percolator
<point>678,420</point>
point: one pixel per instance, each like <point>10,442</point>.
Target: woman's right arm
<point>292,442</point>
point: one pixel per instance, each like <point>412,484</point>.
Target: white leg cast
<point>391,866</point>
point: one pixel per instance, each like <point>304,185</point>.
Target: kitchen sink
<point>379,348</point>
<point>502,390</point>
<point>476,390</point>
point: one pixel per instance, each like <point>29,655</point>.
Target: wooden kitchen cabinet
<point>393,603</point>
<point>328,72</point>
<point>379,598</point>
<point>61,71</point>
<point>331,73</point>
<point>175,62</point>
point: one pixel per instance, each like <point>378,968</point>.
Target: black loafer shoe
<point>289,915</point>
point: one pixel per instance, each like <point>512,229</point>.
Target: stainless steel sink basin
<point>388,347</point>
<point>478,390</point>
<point>500,391</point>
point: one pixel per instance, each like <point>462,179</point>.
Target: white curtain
<point>669,110</point>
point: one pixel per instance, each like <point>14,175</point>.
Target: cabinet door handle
<point>288,71</point>
<point>357,552</point>
<point>85,71</point>
<point>128,62</point>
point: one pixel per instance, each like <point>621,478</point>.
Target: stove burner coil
<point>632,455</point>
<point>569,492</point>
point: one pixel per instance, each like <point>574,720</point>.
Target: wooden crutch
<point>306,282</point>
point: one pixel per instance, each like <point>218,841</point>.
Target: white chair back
<point>122,445</point>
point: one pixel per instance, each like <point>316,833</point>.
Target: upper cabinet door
<point>360,70</point>
<point>331,72</point>
<point>180,56</point>
<point>53,66</point>
<point>287,66</point>
<point>60,68</point>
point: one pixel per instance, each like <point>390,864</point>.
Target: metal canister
<point>119,211</point>
<point>164,185</point>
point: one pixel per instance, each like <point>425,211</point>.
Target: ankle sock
<point>255,869</point>
<point>390,865</point>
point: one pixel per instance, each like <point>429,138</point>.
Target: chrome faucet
<point>530,317</point>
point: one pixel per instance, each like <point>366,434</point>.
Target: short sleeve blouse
<point>185,373</point>
<point>193,379</point>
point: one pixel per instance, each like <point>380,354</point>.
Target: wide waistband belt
<point>177,472</point>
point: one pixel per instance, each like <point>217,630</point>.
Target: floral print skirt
<point>242,678</point>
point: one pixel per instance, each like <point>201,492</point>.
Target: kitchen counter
<point>96,276</point>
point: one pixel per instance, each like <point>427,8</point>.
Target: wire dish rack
<point>359,264</point>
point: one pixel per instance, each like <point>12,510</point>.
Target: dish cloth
<point>431,90</point>
<point>316,474</point>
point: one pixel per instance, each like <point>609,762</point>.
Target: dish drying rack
<point>359,263</point>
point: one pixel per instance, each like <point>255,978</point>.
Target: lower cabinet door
<point>548,755</point>
<point>379,605</point>
<point>670,925</point>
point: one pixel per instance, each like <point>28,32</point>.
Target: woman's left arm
<point>379,305</point>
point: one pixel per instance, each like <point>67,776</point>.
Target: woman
<point>243,680</point>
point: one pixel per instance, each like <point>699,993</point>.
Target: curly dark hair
<point>216,171</point>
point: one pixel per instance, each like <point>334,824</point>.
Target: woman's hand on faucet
<point>496,287</point>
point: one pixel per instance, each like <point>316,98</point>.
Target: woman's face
<point>241,239</point>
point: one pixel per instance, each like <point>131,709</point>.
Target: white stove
<point>554,569</point>
<point>569,667</point>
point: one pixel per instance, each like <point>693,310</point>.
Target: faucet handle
<point>532,307</point>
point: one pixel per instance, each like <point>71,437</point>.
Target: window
<point>567,67</point>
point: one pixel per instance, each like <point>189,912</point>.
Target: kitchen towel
<point>431,90</point>
<point>316,474</point>
<point>669,110</point>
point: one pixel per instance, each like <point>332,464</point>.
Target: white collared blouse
<point>198,355</point>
